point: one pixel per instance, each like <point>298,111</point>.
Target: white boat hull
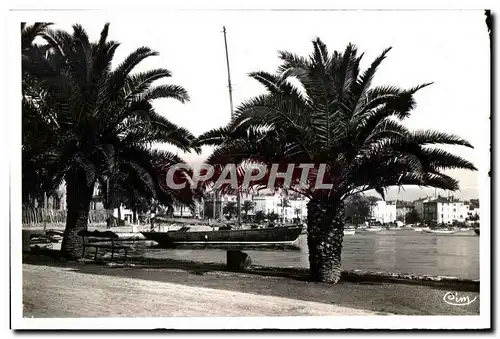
<point>349,232</point>
<point>439,232</point>
<point>374,229</point>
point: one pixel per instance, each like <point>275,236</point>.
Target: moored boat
<point>372,229</point>
<point>263,236</point>
<point>349,232</point>
<point>440,231</point>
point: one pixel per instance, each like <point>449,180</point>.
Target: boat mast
<point>228,74</point>
<point>238,201</point>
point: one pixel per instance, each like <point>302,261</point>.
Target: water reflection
<point>402,251</point>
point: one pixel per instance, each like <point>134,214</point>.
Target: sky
<point>449,48</point>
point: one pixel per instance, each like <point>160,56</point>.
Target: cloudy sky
<point>449,48</point>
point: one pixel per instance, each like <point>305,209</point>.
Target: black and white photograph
<point>212,169</point>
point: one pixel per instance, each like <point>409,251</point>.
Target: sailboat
<point>228,237</point>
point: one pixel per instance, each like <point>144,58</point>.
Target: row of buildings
<point>288,208</point>
<point>439,210</point>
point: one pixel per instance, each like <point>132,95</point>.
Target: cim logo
<point>453,298</point>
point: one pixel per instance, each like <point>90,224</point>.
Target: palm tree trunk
<point>78,198</point>
<point>325,232</point>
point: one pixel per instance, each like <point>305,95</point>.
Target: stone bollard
<point>237,260</point>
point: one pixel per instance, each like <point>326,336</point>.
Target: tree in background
<point>412,217</point>
<point>272,217</point>
<point>230,209</point>
<point>284,203</point>
<point>260,216</point>
<point>246,207</point>
<point>357,209</point>
<point>473,217</point>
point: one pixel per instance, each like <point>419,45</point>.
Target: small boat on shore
<point>349,232</point>
<point>372,229</point>
<point>286,235</point>
<point>440,231</point>
<point>421,229</point>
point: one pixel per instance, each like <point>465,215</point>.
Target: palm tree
<point>230,209</point>
<point>33,144</point>
<point>330,114</point>
<point>284,203</point>
<point>297,212</point>
<point>272,216</point>
<point>371,201</point>
<point>246,207</point>
<point>98,122</point>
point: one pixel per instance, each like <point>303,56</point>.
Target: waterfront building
<point>445,210</point>
<point>383,212</point>
<point>296,208</point>
<point>418,205</point>
<point>403,208</point>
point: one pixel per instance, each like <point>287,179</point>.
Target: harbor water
<point>404,251</point>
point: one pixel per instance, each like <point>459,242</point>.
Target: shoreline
<point>353,275</point>
<point>357,276</point>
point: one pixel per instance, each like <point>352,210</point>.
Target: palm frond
<point>424,137</point>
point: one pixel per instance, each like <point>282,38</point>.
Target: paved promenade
<point>58,292</point>
<point>63,289</point>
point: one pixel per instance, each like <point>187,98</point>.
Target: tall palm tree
<point>330,114</point>
<point>98,121</point>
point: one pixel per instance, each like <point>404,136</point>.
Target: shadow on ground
<point>289,283</point>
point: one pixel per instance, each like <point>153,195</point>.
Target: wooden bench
<point>107,239</point>
<point>40,239</point>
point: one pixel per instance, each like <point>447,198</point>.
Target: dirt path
<point>65,292</point>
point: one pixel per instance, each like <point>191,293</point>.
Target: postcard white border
<point>14,136</point>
